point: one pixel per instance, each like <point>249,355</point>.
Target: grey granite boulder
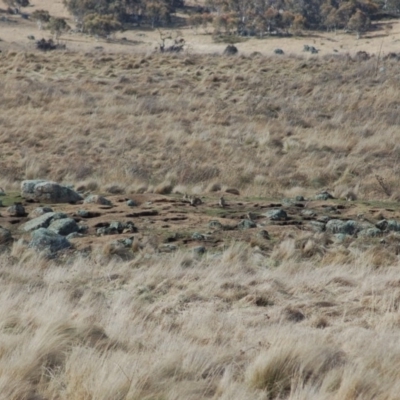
<point>46,240</point>
<point>338,226</point>
<point>50,192</point>
<point>276,215</point>
<point>42,222</point>
<point>64,226</point>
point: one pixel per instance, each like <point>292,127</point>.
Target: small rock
<point>131,203</point>
<point>338,226</point>
<point>246,224</point>
<point>324,196</point>
<point>324,218</point>
<point>279,51</point>
<point>199,250</point>
<point>83,228</point>
<point>64,226</point>
<point>96,199</point>
<point>215,224</point>
<point>299,198</point>
<point>83,213</point>
<point>46,240</point>
<point>116,227</point>
<point>276,215</point>
<point>230,50</point>
<point>39,211</point>
<point>198,236</point>
<point>17,210</point>
<point>264,234</point>
<point>5,235</point>
<point>308,213</point>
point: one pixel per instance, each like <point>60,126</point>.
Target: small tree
<point>57,26</point>
<point>359,23</point>
<point>41,17</point>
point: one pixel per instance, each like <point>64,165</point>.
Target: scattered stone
<point>96,199</point>
<point>83,228</point>
<point>324,196</point>
<point>324,219</point>
<point>5,235</point>
<point>215,224</point>
<point>246,224</point>
<point>317,226</point>
<point>64,226</point>
<point>43,222</point>
<point>299,198</point>
<point>116,227</point>
<point>131,203</point>
<point>230,50</point>
<point>198,236</point>
<point>264,234</point>
<point>46,191</point>
<point>308,213</point>
<point>17,210</point>
<point>199,250</point>
<point>279,51</point>
<point>46,240</point>
<point>39,211</point>
<point>83,213</point>
<point>338,226</point>
<point>126,242</point>
<point>276,215</point>
<point>306,47</point>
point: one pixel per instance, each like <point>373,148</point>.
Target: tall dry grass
<point>231,325</point>
<point>263,125</point>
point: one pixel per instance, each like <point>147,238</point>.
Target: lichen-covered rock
<point>39,211</point>
<point>64,226</point>
<point>16,210</point>
<point>42,222</point>
<point>338,226</point>
<point>246,224</point>
<point>5,235</point>
<point>131,203</point>
<point>215,224</point>
<point>50,192</point>
<point>198,236</point>
<point>96,199</point>
<point>44,239</point>
<point>199,250</point>
<point>276,215</point>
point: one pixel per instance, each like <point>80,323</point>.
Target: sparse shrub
<point>102,25</point>
<point>57,26</point>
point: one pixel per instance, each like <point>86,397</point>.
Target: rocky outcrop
<point>42,222</point>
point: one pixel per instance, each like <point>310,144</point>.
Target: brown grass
<point>137,120</point>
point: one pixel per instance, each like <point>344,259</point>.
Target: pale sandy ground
<point>14,34</point>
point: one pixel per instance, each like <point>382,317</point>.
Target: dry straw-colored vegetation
<point>305,320</point>
<point>264,125</point>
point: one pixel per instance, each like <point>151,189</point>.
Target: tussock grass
<point>223,326</point>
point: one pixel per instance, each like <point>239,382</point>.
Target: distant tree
<point>359,23</point>
<point>16,4</point>
<point>102,25</point>
<point>41,17</point>
<point>57,26</point>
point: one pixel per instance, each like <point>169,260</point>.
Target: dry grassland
<point>305,321</point>
<point>267,126</point>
